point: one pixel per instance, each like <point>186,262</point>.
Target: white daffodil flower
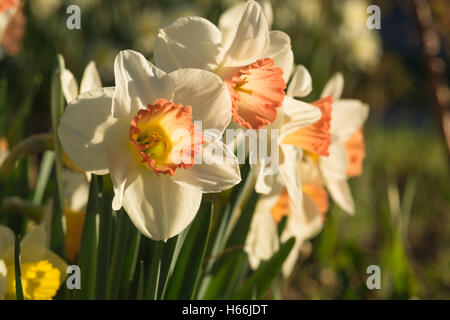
<point>346,151</point>
<point>42,271</point>
<point>292,116</point>
<point>89,81</point>
<point>142,133</point>
<point>253,61</point>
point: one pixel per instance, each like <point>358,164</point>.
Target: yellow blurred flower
<point>42,271</point>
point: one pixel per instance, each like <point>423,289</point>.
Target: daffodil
<point>142,133</point>
<point>292,117</point>
<point>90,80</point>
<point>253,61</point>
<point>334,147</point>
<point>303,222</point>
<point>42,271</point>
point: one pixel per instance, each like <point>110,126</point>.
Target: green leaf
<point>88,248</point>
<point>57,243</point>
<point>226,277</point>
<point>44,174</point>
<point>154,270</point>
<point>141,281</point>
<point>104,241</point>
<point>167,254</point>
<point>119,250</point>
<point>182,284</point>
<point>261,280</point>
<point>131,257</point>
<point>233,261</point>
<point>19,289</point>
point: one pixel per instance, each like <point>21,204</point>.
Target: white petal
<point>298,114</point>
<point>206,93</point>
<point>88,126</point>
<point>76,190</point>
<point>190,42</point>
<point>159,207</point>
<point>303,223</point>
<point>91,78</point>
<point>280,51</point>
<point>289,171</point>
<point>138,84</point>
<point>268,12</point>
<point>340,192</point>
<point>3,279</point>
<point>218,170</point>
<point>37,236</point>
<point>229,20</point>
<point>6,239</point>
<point>69,85</point>
<point>347,116</point>
<point>262,239</point>
<point>120,162</point>
<point>301,83</point>
<point>334,87</point>
<point>249,39</point>
<point>264,178</point>
<point>334,167</point>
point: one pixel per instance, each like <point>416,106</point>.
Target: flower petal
<point>299,114</point>
<point>301,83</point>
<point>69,85</point>
<point>249,39</point>
<point>206,93</point>
<point>138,84</point>
<point>262,239</point>
<point>159,207</point>
<point>91,78</point>
<point>334,167</point>
<point>347,117</point>
<point>334,87</point>
<point>87,127</point>
<point>190,42</point>
<point>280,51</point>
<point>6,239</point>
<point>120,162</point>
<point>289,171</point>
<point>303,223</point>
<point>218,170</point>
<point>340,192</point>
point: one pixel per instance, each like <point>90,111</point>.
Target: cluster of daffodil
<point>240,74</point>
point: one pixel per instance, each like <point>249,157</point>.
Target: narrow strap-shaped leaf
<point>131,257</point>
<point>167,254</point>
<point>141,281</point>
<point>44,174</point>
<point>231,263</point>
<point>88,248</point>
<point>154,270</point>
<point>57,243</point>
<point>262,279</point>
<point>182,284</point>
<point>105,240</point>
<point>18,275</point>
<point>116,266</point>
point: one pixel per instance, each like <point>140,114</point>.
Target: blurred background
<point>402,220</point>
